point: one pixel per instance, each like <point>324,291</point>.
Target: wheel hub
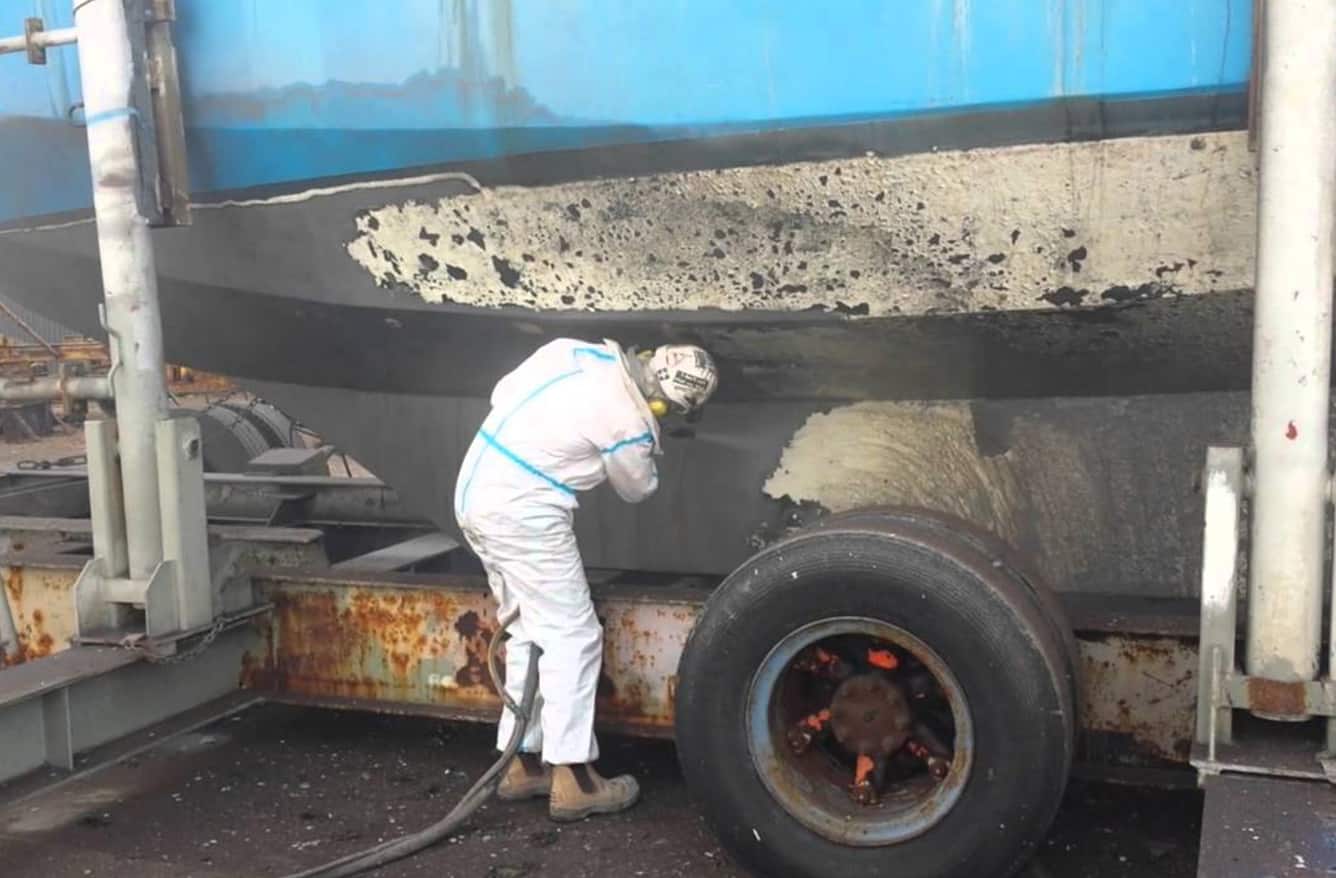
<point>870,715</point>
<point>859,730</point>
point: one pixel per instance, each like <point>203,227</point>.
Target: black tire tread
<point>991,601</point>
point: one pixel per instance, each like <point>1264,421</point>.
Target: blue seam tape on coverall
<point>524,464</point>
<point>597,354</point>
<point>646,438</point>
<point>492,441</point>
<point>464,496</point>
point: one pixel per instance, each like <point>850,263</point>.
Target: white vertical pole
<point>1292,338</point>
<point>129,284</point>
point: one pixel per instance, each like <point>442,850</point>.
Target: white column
<point>129,284</point>
<point>1292,338</point>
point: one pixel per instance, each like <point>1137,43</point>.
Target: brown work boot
<point>579,791</point>
<point>526,778</point>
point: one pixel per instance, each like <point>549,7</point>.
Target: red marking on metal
<point>883,658</point>
<point>863,769</point>
<point>1291,432</point>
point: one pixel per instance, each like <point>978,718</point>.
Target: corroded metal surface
<point>40,559</point>
<point>1276,698</point>
<point>1141,691</point>
<point>352,641</point>
<point>416,643</point>
<point>41,603</point>
<point>413,644</point>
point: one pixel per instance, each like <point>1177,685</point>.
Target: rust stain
<point>392,648</point>
<point>14,583</point>
<point>41,606</point>
<point>630,702</point>
<point>476,637</point>
<point>1138,695</point>
<point>468,625</point>
<point>1276,698</point>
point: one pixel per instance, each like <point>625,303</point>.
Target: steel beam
<point>408,643</point>
<point>253,497</point>
<point>418,644</point>
<point>415,644</point>
<point>401,555</point>
<point>55,707</point>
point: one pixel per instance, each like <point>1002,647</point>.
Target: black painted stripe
<point>1069,120</point>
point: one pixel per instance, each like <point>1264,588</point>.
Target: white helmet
<point>686,375</point>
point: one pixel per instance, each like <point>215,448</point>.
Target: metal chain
<point>176,658</point>
<point>58,463</point>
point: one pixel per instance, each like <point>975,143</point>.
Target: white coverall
<point>567,418</point>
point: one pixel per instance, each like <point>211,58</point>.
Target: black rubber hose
<point>480,792</point>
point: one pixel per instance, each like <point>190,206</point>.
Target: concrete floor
<point>277,788</point>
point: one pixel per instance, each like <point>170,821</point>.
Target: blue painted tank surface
<point>300,90</point>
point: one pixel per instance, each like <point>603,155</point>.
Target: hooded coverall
<point>569,417</point>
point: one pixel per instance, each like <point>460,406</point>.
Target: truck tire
<point>230,440</point>
<point>894,621</point>
<point>996,552</point>
<point>277,428</point>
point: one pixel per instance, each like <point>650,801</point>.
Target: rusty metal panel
<point>417,644</point>
<point>411,645</point>
<point>644,635</point>
<point>1277,698</point>
<point>41,602</point>
<point>1140,692</point>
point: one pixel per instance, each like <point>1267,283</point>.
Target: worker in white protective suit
<point>570,416</point>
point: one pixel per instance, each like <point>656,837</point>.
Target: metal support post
<point>1219,581</point>
<point>185,529</point>
<point>1292,341</point>
<point>130,287</point>
<point>1329,757</point>
<point>36,39</point>
<point>55,387</point>
<point>93,612</point>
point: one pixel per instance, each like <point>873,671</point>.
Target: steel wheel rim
<point>817,803</point>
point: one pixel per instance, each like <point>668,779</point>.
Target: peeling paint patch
<point>1018,228</point>
<point>874,453</point>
